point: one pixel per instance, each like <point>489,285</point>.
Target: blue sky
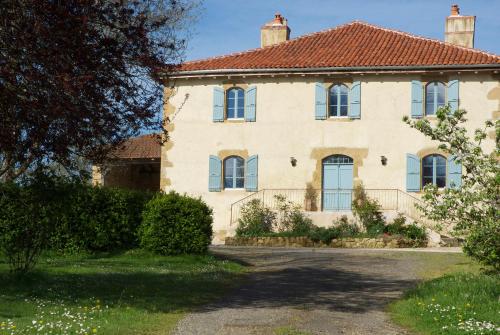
<point>226,26</point>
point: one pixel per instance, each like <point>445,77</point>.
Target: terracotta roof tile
<point>356,44</point>
<point>141,147</point>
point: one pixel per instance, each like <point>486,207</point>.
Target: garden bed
<point>303,241</point>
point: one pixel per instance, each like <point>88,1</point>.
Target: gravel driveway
<point>307,291</point>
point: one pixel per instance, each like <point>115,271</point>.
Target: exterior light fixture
<point>383,159</point>
<point>293,161</point>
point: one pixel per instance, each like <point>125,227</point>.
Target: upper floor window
<point>434,170</point>
<point>338,100</point>
<point>234,172</point>
<point>235,103</point>
<point>435,97</point>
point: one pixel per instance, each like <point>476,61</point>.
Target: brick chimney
<point>274,32</point>
<point>459,29</point>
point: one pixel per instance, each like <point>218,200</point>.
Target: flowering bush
<point>472,210</point>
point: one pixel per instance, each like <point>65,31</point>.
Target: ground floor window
<point>234,172</point>
<point>434,170</point>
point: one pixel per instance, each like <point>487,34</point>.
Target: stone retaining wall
<point>385,242</point>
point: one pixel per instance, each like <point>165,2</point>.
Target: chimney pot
<point>278,19</point>
<point>455,10</point>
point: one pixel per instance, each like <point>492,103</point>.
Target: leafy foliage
<point>256,219</point>
<point>311,198</point>
<point>45,212</point>
<point>340,229</point>
<point>472,211</point>
<point>367,211</point>
<point>97,219</point>
<point>79,77</point>
<point>260,220</point>
<point>176,224</point>
<point>400,227</point>
<point>24,224</point>
<point>290,217</point>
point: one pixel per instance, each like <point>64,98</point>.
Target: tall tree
<point>77,77</point>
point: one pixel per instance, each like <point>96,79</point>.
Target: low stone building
<point>134,165</point>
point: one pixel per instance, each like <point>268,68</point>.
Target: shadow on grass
<point>298,280</point>
<point>150,283</point>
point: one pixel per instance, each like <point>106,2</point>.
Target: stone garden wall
<point>385,242</point>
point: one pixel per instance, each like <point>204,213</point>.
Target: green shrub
<point>301,224</point>
<point>26,213</point>
<point>368,211</point>
<point>483,243</point>
<point>98,218</point>
<point>397,227</point>
<point>322,234</point>
<point>411,231</point>
<point>176,224</point>
<point>256,219</point>
<point>347,229</point>
<point>290,218</point>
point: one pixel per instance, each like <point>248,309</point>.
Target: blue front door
<point>337,183</point>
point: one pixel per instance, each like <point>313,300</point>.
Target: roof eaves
<point>336,69</point>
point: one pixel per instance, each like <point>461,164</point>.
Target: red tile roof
<point>141,147</point>
<point>356,44</point>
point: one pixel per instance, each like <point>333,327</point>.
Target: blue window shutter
<point>214,174</point>
<point>355,100</point>
<point>417,107</point>
<point>320,107</point>
<point>251,173</point>
<point>453,94</point>
<point>454,178</point>
<point>218,107</point>
<point>250,95</point>
<point>412,173</point>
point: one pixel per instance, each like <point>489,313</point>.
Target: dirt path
<point>334,291</point>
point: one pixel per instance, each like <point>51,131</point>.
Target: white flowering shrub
<point>473,210</point>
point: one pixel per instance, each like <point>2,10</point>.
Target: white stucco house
<point>324,109</point>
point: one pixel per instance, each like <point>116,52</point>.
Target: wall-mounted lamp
<point>293,161</point>
<point>383,159</point>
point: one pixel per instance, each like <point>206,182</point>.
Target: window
<point>338,100</point>
<point>338,159</point>
<point>434,97</point>
<point>434,170</point>
<point>234,172</point>
<point>235,103</point>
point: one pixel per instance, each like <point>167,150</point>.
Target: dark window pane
<point>343,99</point>
<point>228,182</point>
<point>429,109</point>
<point>440,170</point>
<point>440,93</point>
<point>426,181</point>
<point>428,160</point>
<point>427,171</point>
<point>240,182</point>
<point>343,110</point>
<point>230,113</point>
<point>440,160</point>
<point>241,112</point>
<point>441,181</point>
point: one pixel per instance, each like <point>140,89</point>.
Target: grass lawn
<point>129,293</point>
<point>455,298</point>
